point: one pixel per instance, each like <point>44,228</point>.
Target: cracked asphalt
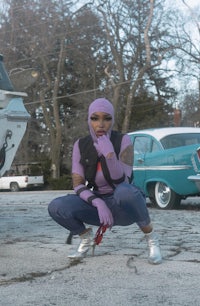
<point>35,270</point>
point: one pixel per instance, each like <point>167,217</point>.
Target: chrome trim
<point>194,177</point>
<point>165,168</point>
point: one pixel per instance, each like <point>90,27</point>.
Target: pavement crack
<point>23,278</point>
<point>131,264</point>
<point>29,277</point>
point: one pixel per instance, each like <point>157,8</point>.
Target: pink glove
<point>105,215</point>
<point>104,145</point>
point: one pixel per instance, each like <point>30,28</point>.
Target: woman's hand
<point>105,215</point>
<point>104,146</point>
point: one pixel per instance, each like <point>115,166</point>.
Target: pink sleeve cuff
<point>84,193</point>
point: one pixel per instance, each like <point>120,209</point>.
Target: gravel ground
<point>35,270</point>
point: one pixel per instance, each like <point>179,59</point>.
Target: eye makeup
<point>96,118</point>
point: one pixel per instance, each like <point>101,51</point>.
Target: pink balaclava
<point>100,105</point>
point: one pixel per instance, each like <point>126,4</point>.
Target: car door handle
<point>140,160</point>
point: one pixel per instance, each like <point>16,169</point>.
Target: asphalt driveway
<point>35,270</point>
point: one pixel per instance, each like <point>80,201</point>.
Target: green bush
<point>63,183</point>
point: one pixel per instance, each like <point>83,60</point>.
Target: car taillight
<point>198,153</point>
<point>26,179</point>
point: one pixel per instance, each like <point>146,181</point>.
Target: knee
<point>129,193</point>
<point>127,190</point>
<point>53,207</point>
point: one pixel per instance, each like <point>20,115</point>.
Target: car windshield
<point>179,140</point>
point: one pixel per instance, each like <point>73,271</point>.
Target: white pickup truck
<point>15,183</point>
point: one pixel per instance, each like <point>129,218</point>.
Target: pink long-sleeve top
<point>117,167</point>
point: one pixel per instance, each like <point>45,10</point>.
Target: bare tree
<point>138,44</point>
<point>62,45</point>
<point>116,49</point>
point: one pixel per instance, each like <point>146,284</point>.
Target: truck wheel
<point>14,187</point>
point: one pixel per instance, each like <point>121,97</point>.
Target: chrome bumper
<point>196,179</point>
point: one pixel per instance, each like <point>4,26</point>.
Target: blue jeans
<point>127,204</point>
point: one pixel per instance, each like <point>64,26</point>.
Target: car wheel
<point>14,187</point>
<point>164,197</point>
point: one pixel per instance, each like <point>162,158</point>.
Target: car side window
<point>155,147</point>
<point>179,140</point>
<point>142,144</point>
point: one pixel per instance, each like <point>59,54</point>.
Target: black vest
<point>90,158</point>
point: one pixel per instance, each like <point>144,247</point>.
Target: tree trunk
<point>55,129</point>
<point>56,146</point>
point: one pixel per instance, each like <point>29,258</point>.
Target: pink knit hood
<point>100,105</point>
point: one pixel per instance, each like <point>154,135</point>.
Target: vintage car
<point>167,164</point>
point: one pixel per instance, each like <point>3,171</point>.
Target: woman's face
<point>101,123</point>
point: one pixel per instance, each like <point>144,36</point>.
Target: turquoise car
<point>167,164</point>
